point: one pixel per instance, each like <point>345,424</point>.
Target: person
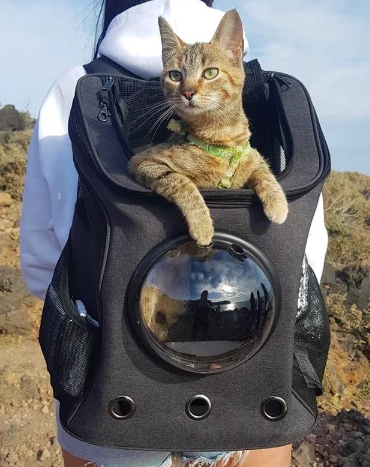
<point>203,308</point>
<point>129,37</point>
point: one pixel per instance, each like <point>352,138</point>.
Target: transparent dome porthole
<point>205,310</point>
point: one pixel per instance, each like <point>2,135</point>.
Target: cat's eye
<point>211,73</point>
<point>175,75</point>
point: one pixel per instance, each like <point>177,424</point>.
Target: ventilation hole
<point>274,408</point>
<point>198,407</point>
<point>122,408</point>
<point>237,249</point>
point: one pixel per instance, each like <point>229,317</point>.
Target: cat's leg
<point>254,170</point>
<point>179,189</point>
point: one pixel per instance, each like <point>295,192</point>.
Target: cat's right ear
<point>230,36</point>
<point>170,41</point>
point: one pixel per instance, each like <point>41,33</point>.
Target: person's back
<point>130,38</point>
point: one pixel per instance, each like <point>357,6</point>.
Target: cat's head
<point>204,77</point>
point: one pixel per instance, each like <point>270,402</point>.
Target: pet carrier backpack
<point>154,343</point>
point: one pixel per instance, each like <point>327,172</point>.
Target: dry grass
<point>13,157</point>
<point>350,319</point>
<point>347,215</point>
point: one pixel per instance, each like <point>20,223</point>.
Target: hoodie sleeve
<point>50,187</point>
<point>317,242</point>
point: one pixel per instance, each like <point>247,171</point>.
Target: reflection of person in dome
<point>202,307</point>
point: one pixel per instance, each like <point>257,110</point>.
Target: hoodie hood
<point>133,39</point>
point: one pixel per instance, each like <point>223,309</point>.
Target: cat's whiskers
<point>228,112</point>
<point>166,115</point>
<point>152,112</point>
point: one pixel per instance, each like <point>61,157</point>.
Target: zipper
<point>322,148</point>
<point>104,100</point>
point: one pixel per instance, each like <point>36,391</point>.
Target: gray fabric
<point>137,223</point>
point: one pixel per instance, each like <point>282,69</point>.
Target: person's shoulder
<point>62,91</point>
<point>69,78</point>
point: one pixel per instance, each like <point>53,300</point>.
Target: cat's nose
<point>189,93</point>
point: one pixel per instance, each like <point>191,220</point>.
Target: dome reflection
<point>207,309</point>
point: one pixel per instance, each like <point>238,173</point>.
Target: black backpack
<point>210,373</point>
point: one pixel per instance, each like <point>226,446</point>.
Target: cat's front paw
<point>276,208</point>
<point>202,231</point>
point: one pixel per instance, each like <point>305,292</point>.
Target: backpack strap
<point>105,65</point>
<point>255,87</point>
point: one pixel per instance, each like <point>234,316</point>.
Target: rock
<point>320,431</point>
<point>14,316</point>
<point>305,454</point>
<point>357,279</point>
<point>355,434</point>
<point>357,453</point>
<point>12,457</point>
<point>5,199</point>
<point>43,454</point>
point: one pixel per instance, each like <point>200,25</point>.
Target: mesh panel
<point>303,291</point>
<point>278,160</point>
<point>282,159</point>
<point>306,394</point>
<point>69,344</point>
<point>250,91</point>
<point>145,113</point>
<point>312,338</point>
<point>313,330</point>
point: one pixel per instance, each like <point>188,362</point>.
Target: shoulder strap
<point>255,87</point>
<point>105,65</point>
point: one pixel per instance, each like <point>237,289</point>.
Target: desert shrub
<point>350,319</point>
<point>13,157</point>
<point>13,120</point>
<point>347,217</point>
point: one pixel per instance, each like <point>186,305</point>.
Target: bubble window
<point>205,310</point>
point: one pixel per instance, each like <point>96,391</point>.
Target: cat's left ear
<point>230,34</point>
<point>170,41</point>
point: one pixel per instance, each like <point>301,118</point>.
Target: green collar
<point>232,154</point>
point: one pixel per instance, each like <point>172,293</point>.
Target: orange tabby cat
<point>204,82</point>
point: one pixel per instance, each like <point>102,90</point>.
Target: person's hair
<point>109,9</point>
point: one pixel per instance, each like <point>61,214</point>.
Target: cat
<point>204,82</point>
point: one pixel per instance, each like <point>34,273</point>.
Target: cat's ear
<point>230,34</point>
<point>170,41</point>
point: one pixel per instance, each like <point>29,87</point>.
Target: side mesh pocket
<point>311,340</point>
<point>69,342</point>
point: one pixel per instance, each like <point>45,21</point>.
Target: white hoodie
<point>132,41</point>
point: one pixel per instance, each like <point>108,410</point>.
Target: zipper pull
<point>104,114</point>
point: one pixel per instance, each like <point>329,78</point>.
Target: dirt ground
<point>27,422</point>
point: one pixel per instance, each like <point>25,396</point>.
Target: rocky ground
<point>27,430</point>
